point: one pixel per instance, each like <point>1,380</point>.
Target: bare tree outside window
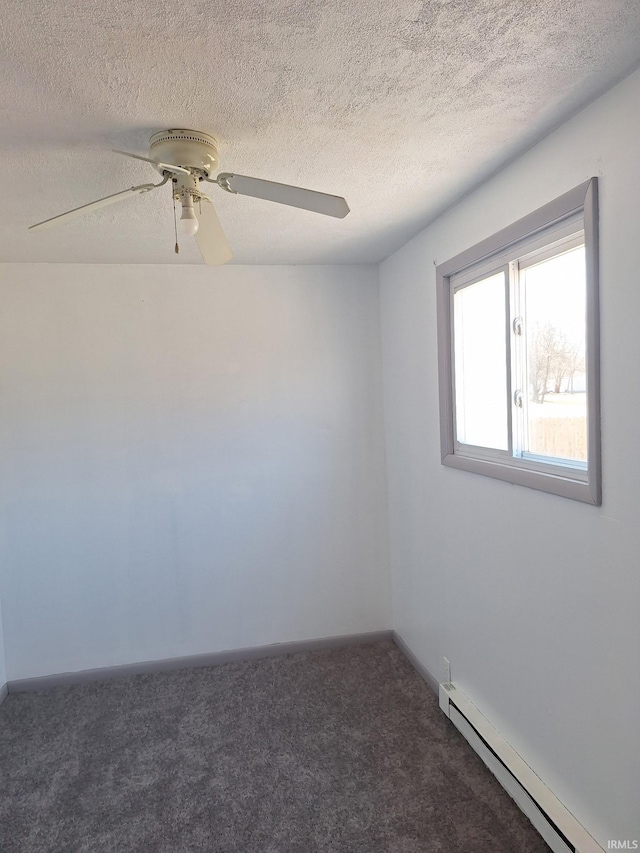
<point>553,362</point>
<point>556,413</point>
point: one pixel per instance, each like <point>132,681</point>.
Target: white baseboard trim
<point>415,663</point>
<point>4,692</point>
<point>84,676</point>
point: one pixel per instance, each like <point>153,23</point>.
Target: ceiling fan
<point>187,158</point>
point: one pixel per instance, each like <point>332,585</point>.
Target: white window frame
<point>528,240</point>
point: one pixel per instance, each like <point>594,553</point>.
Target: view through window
<point>555,327</point>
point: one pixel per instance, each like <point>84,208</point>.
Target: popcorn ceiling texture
<point>401,107</point>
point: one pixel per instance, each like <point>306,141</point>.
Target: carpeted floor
<point>339,750</point>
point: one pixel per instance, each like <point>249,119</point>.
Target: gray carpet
<point>339,750</point>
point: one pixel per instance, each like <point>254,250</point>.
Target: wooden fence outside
<point>565,438</point>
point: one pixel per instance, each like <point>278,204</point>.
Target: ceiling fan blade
<point>210,237</point>
<point>166,166</point>
<point>330,205</point>
<point>93,205</point>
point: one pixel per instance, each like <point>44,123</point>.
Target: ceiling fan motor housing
<point>190,149</point>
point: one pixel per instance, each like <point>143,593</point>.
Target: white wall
<point>535,599</point>
<point>192,460</point>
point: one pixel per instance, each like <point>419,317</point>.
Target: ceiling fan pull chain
<point>175,228</point>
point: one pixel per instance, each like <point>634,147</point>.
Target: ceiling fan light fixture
<point>188,224</point>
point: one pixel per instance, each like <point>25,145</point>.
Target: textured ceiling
<point>401,107</point>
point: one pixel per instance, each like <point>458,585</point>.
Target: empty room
<point>318,404</point>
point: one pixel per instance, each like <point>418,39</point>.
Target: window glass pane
<point>480,368</point>
<point>555,316</point>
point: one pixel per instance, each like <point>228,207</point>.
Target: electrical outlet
<point>446,669</point>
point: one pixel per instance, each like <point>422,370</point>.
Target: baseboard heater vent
<point>559,828</point>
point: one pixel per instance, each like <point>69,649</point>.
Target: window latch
<point>517,325</point>
<point>518,399</point>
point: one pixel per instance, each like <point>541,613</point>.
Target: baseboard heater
<point>559,828</point>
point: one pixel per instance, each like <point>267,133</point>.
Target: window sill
<point>556,482</point>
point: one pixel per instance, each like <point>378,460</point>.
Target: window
<point>518,351</point>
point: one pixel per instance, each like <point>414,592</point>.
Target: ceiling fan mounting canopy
<point>190,149</point>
